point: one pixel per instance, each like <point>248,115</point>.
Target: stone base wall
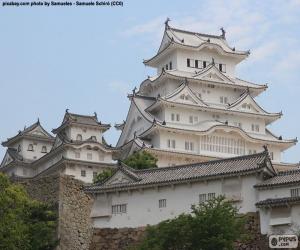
<point>122,238</point>
<point>73,207</point>
<point>75,226</point>
<point>116,239</point>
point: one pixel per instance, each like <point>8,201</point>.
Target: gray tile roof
<point>26,131</point>
<point>80,119</point>
<point>185,173</point>
<point>278,202</point>
<point>282,178</point>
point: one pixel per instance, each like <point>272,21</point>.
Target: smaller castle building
<point>78,149</point>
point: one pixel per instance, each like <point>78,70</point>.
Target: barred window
<point>119,209</point>
<point>211,196</point>
<point>202,198</point>
<point>83,173</point>
<point>162,203</point>
<point>79,137</point>
<point>30,147</point>
<point>295,192</point>
<point>44,149</point>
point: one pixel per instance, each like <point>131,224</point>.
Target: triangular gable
<point>211,73</point>
<point>164,42</point>
<point>247,104</point>
<point>6,160</point>
<point>39,131</point>
<point>119,178</point>
<point>184,94</point>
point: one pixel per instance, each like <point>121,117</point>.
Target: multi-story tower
<point>195,108</point>
<point>26,147</point>
<point>78,149</point>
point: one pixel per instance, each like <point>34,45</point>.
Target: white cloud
<point>264,51</point>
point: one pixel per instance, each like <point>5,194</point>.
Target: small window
<point>167,67</point>
<point>30,147</point>
<point>204,64</point>
<point>94,175</point>
<point>172,117</point>
<point>83,173</point>
<point>93,138</point>
<point>119,209</point>
<point>170,65</point>
<point>211,196</point>
<point>79,137</point>
<point>44,149</point>
<point>191,119</point>
<point>188,63</point>
<point>19,148</point>
<point>202,198</point>
<point>177,117</point>
<point>222,67</point>
<point>77,155</point>
<point>196,64</point>
<point>162,203</point>
<point>295,192</point>
<point>173,144</point>
<point>89,156</point>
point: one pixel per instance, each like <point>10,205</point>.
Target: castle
<point>202,123</point>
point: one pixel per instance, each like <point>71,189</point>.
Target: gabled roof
<point>215,169</point>
<point>278,202</point>
<point>34,131</point>
<point>246,98</point>
<point>12,156</point>
<point>177,38</point>
<point>198,76</point>
<point>283,178</point>
<point>84,120</point>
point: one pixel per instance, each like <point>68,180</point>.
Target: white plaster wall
<point>204,55</point>
<point>97,155</point>
<point>75,170</point>
<point>86,132</point>
<point>37,148</point>
<point>142,207</point>
<point>292,228</point>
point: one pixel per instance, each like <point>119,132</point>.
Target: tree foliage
<point>103,175</point>
<point>141,160</point>
<point>25,223</point>
<point>212,225</point>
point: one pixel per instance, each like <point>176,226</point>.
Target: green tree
<point>25,224</point>
<point>103,175</point>
<point>212,225</point>
<point>141,160</point>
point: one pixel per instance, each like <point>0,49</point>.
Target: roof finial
<point>38,120</point>
<point>134,135</point>
<point>67,110</point>
<point>95,114</point>
<point>223,32</point>
<point>133,91</point>
<point>213,61</point>
<point>167,22</point>
<point>266,148</point>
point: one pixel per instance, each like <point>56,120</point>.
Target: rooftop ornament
<point>265,148</point>
<point>167,22</point>
<point>67,110</point>
<point>133,91</point>
<point>164,123</point>
<point>213,61</point>
<point>223,32</point>
<point>208,40</point>
<point>95,114</point>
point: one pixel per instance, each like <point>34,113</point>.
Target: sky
<point>87,59</point>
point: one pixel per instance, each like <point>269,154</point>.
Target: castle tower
<point>196,108</point>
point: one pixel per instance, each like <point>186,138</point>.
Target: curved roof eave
<point>211,129</point>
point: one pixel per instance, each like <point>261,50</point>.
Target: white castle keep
<point>202,123</point>
<point>196,109</point>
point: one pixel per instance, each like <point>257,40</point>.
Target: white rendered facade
<point>78,150</point>
<point>136,198</point>
<point>196,106</point>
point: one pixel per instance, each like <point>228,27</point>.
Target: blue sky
<point>88,58</point>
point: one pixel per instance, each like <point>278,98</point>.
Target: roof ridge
<point>288,172</point>
<point>196,33</point>
<point>203,163</point>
